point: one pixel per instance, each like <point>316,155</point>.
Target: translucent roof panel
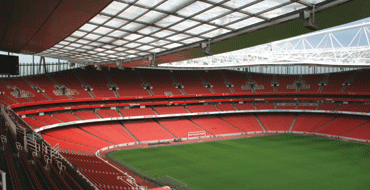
<point>128,29</point>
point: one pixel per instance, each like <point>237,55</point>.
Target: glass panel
<point>75,45</point>
<point>144,48</point>
<point>132,37</point>
<point>78,34</point>
<point>132,51</point>
<point>229,18</point>
<point>101,54</point>
<point>192,40</point>
<point>212,13</point>
<point>156,50</point>
<point>172,45</point>
<point>112,56</point>
<point>193,8</point>
<point>114,8</point>
<point>184,25</point>
<point>119,42</point>
<point>120,49</point>
<point>200,29</point>
<point>62,43</point>
<point>103,30</point>
<point>115,23</point>
<point>96,44</point>
<point>132,12</point>
<point>169,20</point>
<point>88,27</point>
<point>99,19</point>
<point>234,4</point>
<point>178,37</point>
<point>118,34</point>
<point>92,36</point>
<point>108,46</point>
<point>132,45</point>
<point>99,49</point>
<point>83,41</point>
<point>110,52</point>
<point>216,32</point>
<point>245,23</point>
<point>151,17</point>
<point>87,47</point>
<point>148,30</point>
<point>71,39</point>
<point>173,5</point>
<point>283,10</point>
<point>160,43</point>
<point>266,4</point>
<point>106,39</point>
<point>146,40</point>
<point>163,33</point>
<point>313,1</point>
<point>132,27</point>
<point>148,3</point>
<point>69,48</point>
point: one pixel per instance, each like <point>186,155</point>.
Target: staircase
<point>205,83</point>
<point>110,82</point>
<point>324,82</point>
<point>348,82</point>
<point>227,82</point>
<point>56,83</point>
<point>259,121</point>
<point>165,128</point>
<point>83,83</point>
<point>291,126</point>
<point>175,82</point>
<point>323,125</point>
<point>120,122</point>
<point>146,85</point>
<point>36,92</point>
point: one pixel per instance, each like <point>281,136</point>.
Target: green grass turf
<point>269,162</point>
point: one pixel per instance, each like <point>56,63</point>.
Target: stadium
<point>193,94</point>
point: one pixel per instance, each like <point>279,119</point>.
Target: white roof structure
<point>135,29</point>
<point>342,47</point>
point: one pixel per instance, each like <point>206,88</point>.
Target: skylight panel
<point>132,45</point>
<point>215,33</point>
<point>192,40</point>
<point>156,50</point>
<point>103,30</point>
<point>71,39</point>
<point>132,51</point>
<point>173,5</point>
<point>148,30</point>
<point>92,36</point>
<point>114,8</point>
<point>132,37</point>
<point>82,41</point>
<point>133,27</point>
<point>283,10</point>
<point>146,40</point>
<point>78,34</point>
<point>229,18</point>
<point>313,2</point>
<point>200,29</point>
<point>75,45</point>
<point>163,33</point>
<point>115,23</point>
<point>110,52</point>
<point>212,13</point>
<point>151,17</point>
<point>132,12</point>
<point>172,45</point>
<point>99,49</point>
<point>235,4</point>
<point>96,44</point>
<point>145,47</point>
<point>108,46</point>
<point>178,37</point>
<point>88,27</point>
<point>160,43</point>
<point>193,8</point>
<point>119,42</point>
<point>120,49</point>
<point>106,39</point>
<point>184,25</point>
<point>264,5</point>
<point>87,47</point>
<point>117,34</point>
<point>64,43</point>
<point>99,19</point>
<point>169,20</point>
<point>245,23</point>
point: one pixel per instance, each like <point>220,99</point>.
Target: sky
<point>28,58</point>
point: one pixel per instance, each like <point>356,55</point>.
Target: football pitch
<point>268,162</point>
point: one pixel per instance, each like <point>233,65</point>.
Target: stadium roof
<point>133,32</point>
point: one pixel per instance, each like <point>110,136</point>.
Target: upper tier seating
<point>47,85</point>
<point>22,85</point>
<point>128,82</point>
<point>238,79</point>
<point>84,115</point>
<point>336,81</point>
<point>216,80</point>
<point>108,113</point>
<point>359,84</point>
<point>161,82</point>
<point>191,82</point>
<point>70,81</point>
<point>67,145</point>
<point>66,117</point>
<point>47,119</point>
<point>214,125</point>
<point>202,108</point>
<point>328,106</point>
<point>246,123</point>
<point>306,107</point>
<point>263,80</point>
<point>99,82</point>
<point>309,123</point>
<point>33,122</point>
<point>147,130</point>
<point>314,82</point>
<point>354,107</point>
<point>137,112</point>
<point>341,125</point>
<point>171,110</point>
<point>284,81</point>
<point>276,122</point>
<point>112,132</point>
<point>179,126</point>
<point>286,106</point>
<point>226,107</point>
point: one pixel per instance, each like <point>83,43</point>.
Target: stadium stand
<point>226,107</point>
<point>214,125</point>
<point>362,132</point>
<point>216,80</point>
<point>245,106</point>
<point>161,85</point>
<point>99,83</point>
<point>108,113</point>
<point>313,81</point>
<point>180,127</point>
<point>171,110</point>
<point>146,131</point>
<point>358,84</point>
<point>191,82</point>
<point>47,119</point>
<point>341,125</point>
<point>202,108</point>
<point>238,80</point>
<point>265,81</point>
<point>336,81</point>
<point>33,122</point>
<point>309,123</point>
<point>246,123</point>
<point>354,107</point>
<point>66,117</point>
<point>286,83</point>
<point>137,112</point>
<point>328,106</point>
<point>23,86</point>
<point>86,115</point>
<point>128,82</point>
<point>70,81</point>
<point>48,87</point>
<point>265,106</point>
<point>276,122</point>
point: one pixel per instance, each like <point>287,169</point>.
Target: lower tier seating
<point>147,130</point>
<point>276,122</point>
<point>341,125</point>
<point>246,123</point>
<point>309,123</point>
<point>180,127</point>
<point>214,125</point>
<point>362,132</point>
